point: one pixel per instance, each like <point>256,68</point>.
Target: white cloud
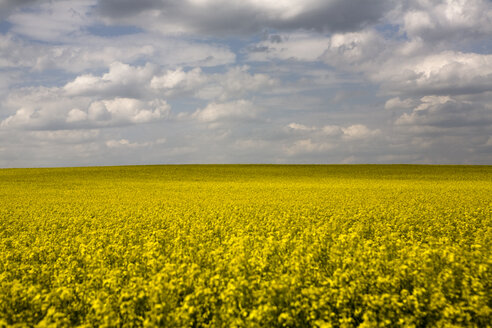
<point>306,146</point>
<point>300,127</point>
<point>352,132</point>
<point>50,109</point>
<point>121,80</point>
<point>143,81</point>
<point>22,117</point>
<point>235,83</point>
<point>397,103</point>
<point>125,143</point>
<point>76,115</point>
<point>38,108</point>
<point>122,111</point>
<point>328,139</point>
<point>359,131</point>
<point>178,81</point>
<point>331,130</point>
<point>240,109</point>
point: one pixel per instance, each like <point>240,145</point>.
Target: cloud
<point>126,144</point>
<point>66,136</point>
<point>327,138</point>
<point>15,54</point>
<point>447,72</point>
<point>125,8</point>
<point>179,79</point>
<point>306,146</point>
<point>397,103</point>
<point>219,17</point>
<point>92,53</point>
<point>38,108</point>
<point>359,131</point>
<point>121,80</point>
<point>446,112</point>
<point>128,95</point>
<point>282,81</point>
<point>296,46</point>
<point>179,82</point>
<point>251,144</point>
<point>400,68</point>
<point>8,6</point>
<point>445,21</point>
<point>357,51</point>
<point>96,53</point>
<point>124,111</point>
<point>235,83</point>
<point>300,127</point>
<point>236,110</point>
<point>53,21</point>
<point>50,109</point>
<point>351,132</point>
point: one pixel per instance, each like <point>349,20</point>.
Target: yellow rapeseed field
<point>246,246</point>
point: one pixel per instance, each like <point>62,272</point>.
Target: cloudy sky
<point>112,82</point>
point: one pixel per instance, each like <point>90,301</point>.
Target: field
<point>246,246</point>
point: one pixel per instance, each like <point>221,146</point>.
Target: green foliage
<point>246,246</point>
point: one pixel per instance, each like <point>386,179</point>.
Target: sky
<point>125,82</point>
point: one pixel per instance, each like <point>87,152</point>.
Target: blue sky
<point>114,82</point>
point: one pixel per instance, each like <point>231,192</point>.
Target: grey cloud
<point>338,15</point>
<point>258,49</point>
<point>221,17</point>
<point>7,6</point>
<point>124,8</point>
<point>300,46</point>
<point>275,38</point>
